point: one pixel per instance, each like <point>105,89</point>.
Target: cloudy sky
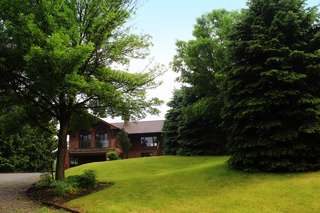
<point>168,21</point>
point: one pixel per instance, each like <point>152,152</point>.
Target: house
<point>92,146</point>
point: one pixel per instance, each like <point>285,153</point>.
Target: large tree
<point>192,126</point>
<point>60,59</point>
<point>200,62</point>
<point>272,109</point>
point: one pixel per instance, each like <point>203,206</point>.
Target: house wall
<point>137,149</point>
<point>75,138</point>
<point>134,152</point>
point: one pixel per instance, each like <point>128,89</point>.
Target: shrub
<point>71,184</point>
<point>45,180</point>
<point>85,181</point>
<point>113,155</point>
<point>63,187</point>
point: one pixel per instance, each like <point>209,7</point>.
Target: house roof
<point>141,127</point>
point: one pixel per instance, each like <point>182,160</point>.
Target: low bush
<point>71,184</point>
<point>113,155</point>
<point>45,180</point>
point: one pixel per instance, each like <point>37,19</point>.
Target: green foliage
<point>24,147</point>
<point>123,142</point>
<point>60,58</point>
<point>197,137</point>
<point>271,111</point>
<point>71,184</point>
<point>200,62</point>
<point>192,126</point>
<point>45,180</point>
<point>113,155</point>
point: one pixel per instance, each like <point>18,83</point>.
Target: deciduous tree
<point>60,58</point>
<point>192,126</point>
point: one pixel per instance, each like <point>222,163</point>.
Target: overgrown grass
<point>196,184</point>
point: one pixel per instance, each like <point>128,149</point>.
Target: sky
<point>168,21</point>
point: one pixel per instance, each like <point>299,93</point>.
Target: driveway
<point>12,192</point>
<point>9,177</point>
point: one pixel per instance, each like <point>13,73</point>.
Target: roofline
<point>111,125</point>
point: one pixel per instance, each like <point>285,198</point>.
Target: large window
<point>149,141</point>
<point>85,141</point>
<point>101,138</point>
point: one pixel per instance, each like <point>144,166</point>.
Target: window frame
<point>154,142</point>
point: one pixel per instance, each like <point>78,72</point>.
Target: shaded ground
<point>12,193</point>
<point>46,194</point>
<point>18,193</point>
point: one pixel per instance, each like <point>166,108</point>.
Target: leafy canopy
<point>60,59</point>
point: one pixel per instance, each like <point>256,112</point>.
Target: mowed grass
<point>196,184</point>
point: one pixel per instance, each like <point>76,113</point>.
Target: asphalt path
<point>9,177</point>
<point>12,192</point>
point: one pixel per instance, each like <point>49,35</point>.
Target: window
<point>149,141</point>
<point>101,140</point>
<point>74,161</point>
<point>85,137</point>
<point>85,141</point>
<point>150,154</point>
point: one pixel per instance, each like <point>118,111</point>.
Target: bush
<point>85,181</point>
<point>63,187</point>
<point>71,184</point>
<point>45,180</point>
<point>113,155</point>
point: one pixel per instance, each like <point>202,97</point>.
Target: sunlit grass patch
<point>196,184</point>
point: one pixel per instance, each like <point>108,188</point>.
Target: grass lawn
<point>196,184</point>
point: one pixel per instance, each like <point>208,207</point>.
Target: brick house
<point>92,146</point>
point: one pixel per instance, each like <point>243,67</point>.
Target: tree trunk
<point>62,147</point>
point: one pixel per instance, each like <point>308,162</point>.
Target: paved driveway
<point>12,192</point>
<point>9,177</point>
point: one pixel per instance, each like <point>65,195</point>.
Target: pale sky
<point>168,21</point>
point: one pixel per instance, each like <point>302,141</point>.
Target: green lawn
<point>196,184</point>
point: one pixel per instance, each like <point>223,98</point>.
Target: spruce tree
<point>123,142</point>
<point>271,111</point>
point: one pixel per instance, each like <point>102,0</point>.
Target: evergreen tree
<point>190,138</point>
<point>123,142</point>
<point>272,91</point>
<point>171,124</point>
<point>24,147</point>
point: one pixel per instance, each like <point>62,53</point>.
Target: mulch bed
<point>46,194</point>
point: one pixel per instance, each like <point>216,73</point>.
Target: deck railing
<point>98,144</point>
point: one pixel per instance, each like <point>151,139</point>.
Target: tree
<point>272,96</point>
<point>123,142</point>
<point>60,60</point>
<point>24,147</point>
<point>190,138</point>
<point>192,126</point>
<point>200,62</point>
<point>173,120</point>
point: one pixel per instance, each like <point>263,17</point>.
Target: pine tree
<point>271,111</point>
<point>190,137</point>
<point>123,142</point>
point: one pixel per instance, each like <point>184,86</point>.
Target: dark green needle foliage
<point>190,137</point>
<point>271,111</point>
